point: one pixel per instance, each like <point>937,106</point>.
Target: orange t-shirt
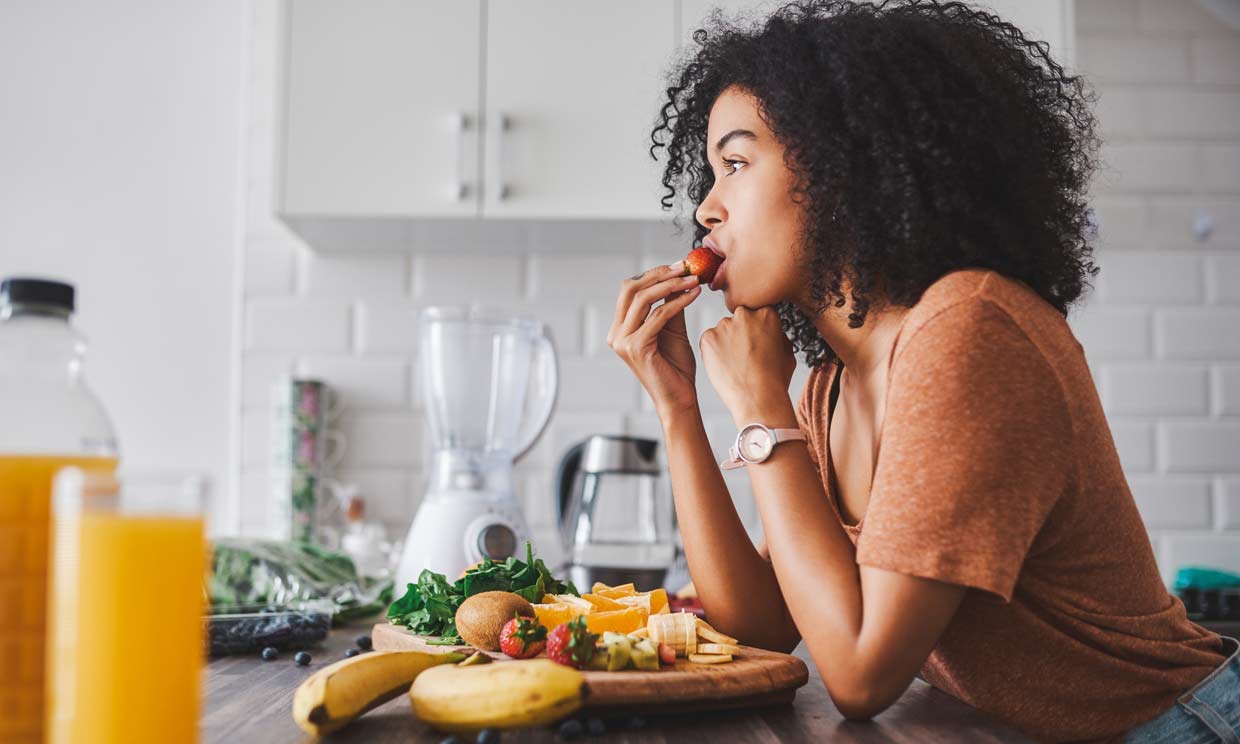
<point>996,471</point>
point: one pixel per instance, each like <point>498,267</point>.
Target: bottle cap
<point>47,294</point>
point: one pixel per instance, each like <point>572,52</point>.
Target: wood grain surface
<point>250,701</point>
<point>754,677</point>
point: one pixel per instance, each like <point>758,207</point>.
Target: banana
<point>509,694</point>
<point>340,692</point>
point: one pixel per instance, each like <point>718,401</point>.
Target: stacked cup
<point>304,451</point>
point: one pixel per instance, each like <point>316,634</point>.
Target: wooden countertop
<point>250,700</point>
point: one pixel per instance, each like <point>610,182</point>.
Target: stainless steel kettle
<point>617,522</point>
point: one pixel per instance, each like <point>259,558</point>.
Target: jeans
<point>1209,712</point>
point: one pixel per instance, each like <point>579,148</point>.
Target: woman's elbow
<point>860,705</point>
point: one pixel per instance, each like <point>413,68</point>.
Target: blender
<point>488,383</point>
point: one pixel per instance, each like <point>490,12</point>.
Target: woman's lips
<point>716,284</point>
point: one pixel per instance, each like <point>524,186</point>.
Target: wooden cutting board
<point>753,678</point>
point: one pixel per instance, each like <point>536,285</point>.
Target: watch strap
<point>781,435</point>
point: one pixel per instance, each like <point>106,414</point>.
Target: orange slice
<point>551,615</point>
<point>658,601</point>
<point>619,621</point>
<point>615,592</point>
<point>602,603</point>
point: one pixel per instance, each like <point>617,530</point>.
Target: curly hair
<point>923,137</point>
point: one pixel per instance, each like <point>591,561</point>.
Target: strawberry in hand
<point>702,262</point>
<point>522,637</point>
<point>571,643</point>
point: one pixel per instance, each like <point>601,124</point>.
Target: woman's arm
<point>735,583</point>
<point>868,630</point>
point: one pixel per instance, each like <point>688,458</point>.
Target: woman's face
<point>749,210</point>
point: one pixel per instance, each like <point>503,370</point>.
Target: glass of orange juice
<point>125,647</point>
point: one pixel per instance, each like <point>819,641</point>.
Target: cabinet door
<point>382,108</point>
<point>1045,20</point>
<point>573,88</point>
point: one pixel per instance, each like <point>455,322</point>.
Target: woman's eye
<point>730,163</point>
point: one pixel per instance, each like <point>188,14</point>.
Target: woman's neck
<point>866,351</point>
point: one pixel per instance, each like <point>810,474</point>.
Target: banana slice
<point>718,648</point>
<point>710,634</point>
<point>710,658</point>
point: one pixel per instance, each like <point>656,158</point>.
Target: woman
<point>899,193</point>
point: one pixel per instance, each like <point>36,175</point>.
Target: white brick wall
<point>1162,331</point>
<point>1163,328</point>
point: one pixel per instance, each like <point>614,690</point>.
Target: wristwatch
<point>754,443</point>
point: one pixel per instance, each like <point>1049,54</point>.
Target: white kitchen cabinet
<point>382,108</point>
<point>573,88</point>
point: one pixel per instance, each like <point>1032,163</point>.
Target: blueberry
<point>271,653</point>
<point>302,658</point>
<point>363,642</point>
<point>636,722</point>
<point>595,727</point>
<point>488,736</point>
<point>570,729</point>
<point>351,653</point>
<point>451,740</point>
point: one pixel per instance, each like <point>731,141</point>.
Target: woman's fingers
<point>630,287</point>
<point>645,299</point>
<point>664,313</point>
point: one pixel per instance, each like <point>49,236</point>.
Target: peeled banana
<point>510,694</point>
<point>336,694</point>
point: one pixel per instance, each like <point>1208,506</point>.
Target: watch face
<point>755,444</point>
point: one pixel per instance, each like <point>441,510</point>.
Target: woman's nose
<point>710,212</point>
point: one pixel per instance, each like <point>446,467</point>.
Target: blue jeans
<point>1210,712</point>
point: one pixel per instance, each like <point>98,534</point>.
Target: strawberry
<point>667,654</point>
<point>571,643</point>
<point>702,262</point>
<point>522,637</point>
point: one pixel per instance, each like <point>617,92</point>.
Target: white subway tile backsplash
<point>382,439</point>
<point>387,326</point>
<point>1106,15</point>
<point>1121,58</point>
<point>1172,218</point>
<point>1200,446</point>
<point>1227,390</point>
<point>256,438</point>
<point>1156,390</point>
<point>1173,503</point>
<point>1216,61</point>
<point>355,274</point>
<point>363,384</point>
<point>1180,17</point>
<point>1228,511</point>
<point>1221,551</point>
<point>1198,333</point>
<point>1121,221</point>
<point>1146,278</point>
<point>1218,167</point>
<point>390,495</point>
<point>1190,112</point>
<point>269,265</point>
<point>597,384</point>
<point>580,277</point>
<point>455,279</point>
<point>1134,441</point>
<point>1223,278</point>
<point>288,324</point>
<point>1151,166</point>
<point>258,372</point>
<point>1108,334</point>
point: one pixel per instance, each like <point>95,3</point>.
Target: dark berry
<point>637,722</point>
<point>363,642</point>
<point>488,736</point>
<point>302,658</point>
<point>271,653</point>
<point>351,653</point>
<point>595,727</point>
<point>451,740</point>
<point>571,729</point>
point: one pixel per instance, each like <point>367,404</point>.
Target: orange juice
<point>126,642</point>
<point>25,503</point>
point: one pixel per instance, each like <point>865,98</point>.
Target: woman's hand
<point>750,362</point>
<point>655,344</point>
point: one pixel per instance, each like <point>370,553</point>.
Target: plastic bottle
<point>49,418</point>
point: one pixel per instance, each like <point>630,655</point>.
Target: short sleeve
<point>974,452</point>
<point>806,415</point>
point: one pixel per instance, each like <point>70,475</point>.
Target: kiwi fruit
<point>480,618</point>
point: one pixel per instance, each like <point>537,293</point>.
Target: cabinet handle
<point>503,124</point>
<point>460,126</point>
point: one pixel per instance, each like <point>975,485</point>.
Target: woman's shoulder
<point>985,308</point>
